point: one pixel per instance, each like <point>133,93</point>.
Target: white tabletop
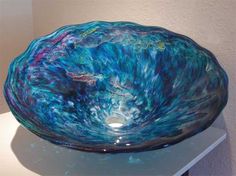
<point>23,153</point>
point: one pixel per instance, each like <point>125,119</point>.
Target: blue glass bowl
<point>115,87</point>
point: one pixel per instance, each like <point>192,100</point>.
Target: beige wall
<point>16,31</point>
<point>210,23</point>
